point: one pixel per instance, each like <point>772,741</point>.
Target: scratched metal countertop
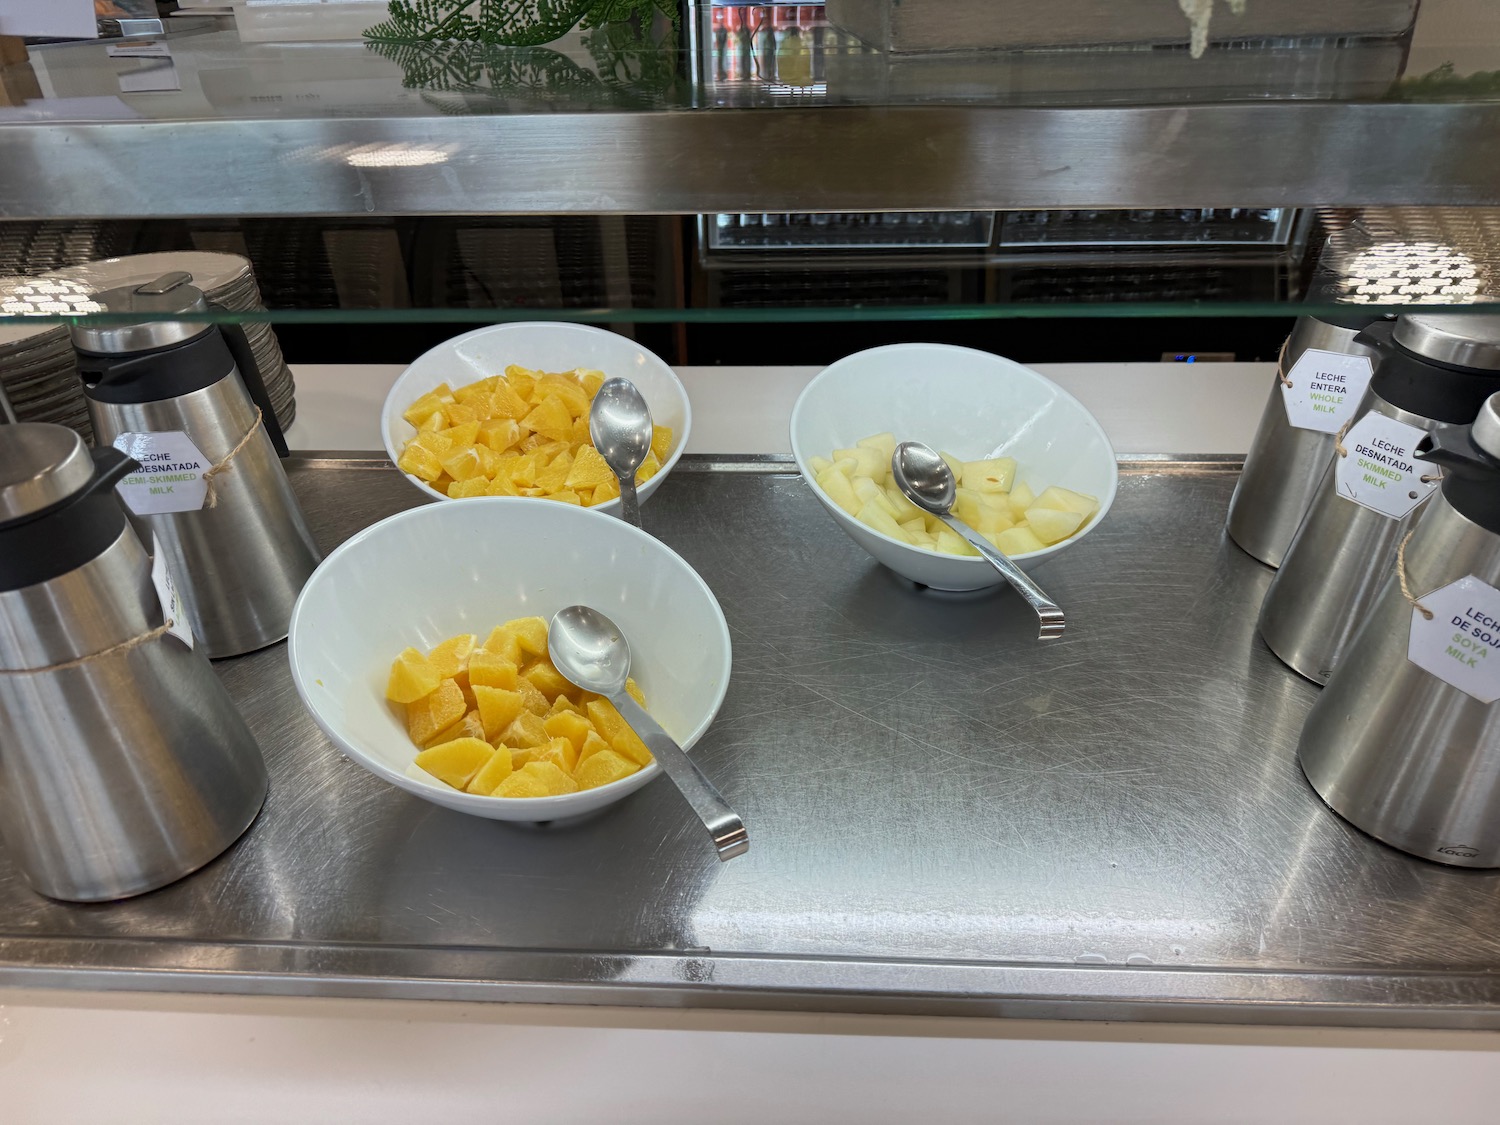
<point>946,816</point>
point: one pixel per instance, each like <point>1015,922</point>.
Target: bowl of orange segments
<point>420,648</point>
<point>504,411</point>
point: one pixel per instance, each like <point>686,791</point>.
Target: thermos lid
<point>1460,339</point>
<point>171,293</point>
<point>40,465</point>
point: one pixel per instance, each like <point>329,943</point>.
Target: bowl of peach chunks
<point>499,720</point>
<point>521,427</point>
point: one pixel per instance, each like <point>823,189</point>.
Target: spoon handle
<point>722,822</point>
<point>630,506</point>
<point>1048,612</point>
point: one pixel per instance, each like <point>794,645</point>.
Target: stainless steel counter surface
<point>946,816</point>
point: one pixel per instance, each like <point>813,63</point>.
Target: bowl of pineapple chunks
<point>504,411</point>
<point>420,648</point>
<point>1034,469</point>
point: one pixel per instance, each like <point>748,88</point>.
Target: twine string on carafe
<point>1405,584</point>
<point>211,497</point>
<point>79,661</point>
<point>1281,365</point>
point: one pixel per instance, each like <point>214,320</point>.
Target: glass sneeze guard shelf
<point>593,124</point>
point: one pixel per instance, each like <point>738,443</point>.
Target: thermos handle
<point>255,383</point>
<point>110,467</point>
<point>1377,336</point>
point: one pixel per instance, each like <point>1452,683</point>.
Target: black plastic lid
<point>1471,466</point>
<point>160,373</point>
<point>1441,392</point>
<point>60,537</point>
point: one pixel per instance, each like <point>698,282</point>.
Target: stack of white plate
<point>226,279</point>
<point>38,368</point>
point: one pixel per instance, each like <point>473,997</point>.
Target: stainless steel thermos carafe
<point>182,399</point>
<point>1404,741</point>
<point>1286,463</point>
<point>1434,372</point>
<point>124,764</point>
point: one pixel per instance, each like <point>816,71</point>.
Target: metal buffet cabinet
<point>949,818</point>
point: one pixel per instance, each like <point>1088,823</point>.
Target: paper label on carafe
<point>1326,388</point>
<point>1460,645</point>
<point>173,612</point>
<point>170,478</point>
<point>1380,471</point>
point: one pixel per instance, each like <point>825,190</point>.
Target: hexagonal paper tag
<point>1461,644</point>
<point>1323,389</point>
<point>1381,472</point>
<point>170,478</point>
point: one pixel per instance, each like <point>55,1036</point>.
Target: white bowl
<point>441,569</point>
<point>965,402</point>
<point>542,347</point>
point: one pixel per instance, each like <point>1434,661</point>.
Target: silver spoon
<point>927,481</point>
<point>588,649</point>
<point>620,426</point>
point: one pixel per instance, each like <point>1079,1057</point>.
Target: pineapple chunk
<point>499,434</point>
<point>575,399</point>
<point>819,466</point>
<point>536,700</point>
<point>461,462</point>
<point>1017,541</point>
<point>420,463</point>
<point>491,774</point>
<point>552,478</point>
<point>1066,500</point>
<point>994,475</point>
<point>412,678</point>
<point>950,542</point>
<point>589,469</point>
<point>521,380</point>
<point>883,444</point>
<point>661,443</point>
<point>502,643</point>
<point>521,784</point>
<point>545,677</point>
<point>560,752</point>
<point>433,712</point>
<point>551,419</point>
<point>456,762</point>
<point>867,462</point>
<point>434,441</point>
<point>866,491</point>
<point>876,517</point>
<point>466,433</point>
<point>905,509</point>
<point>451,657</point>
<point>839,490</point>
<point>474,486</point>
<point>527,731</point>
<point>530,632</point>
<point>431,403</point>
<point>1021,498</point>
<point>592,744</point>
<point>602,768</point>
<point>954,465</point>
<point>498,709</point>
<point>617,732</point>
<point>567,724</point>
<point>552,776</point>
<point>605,491</point>
<point>1052,526</point>
<point>490,669</point>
